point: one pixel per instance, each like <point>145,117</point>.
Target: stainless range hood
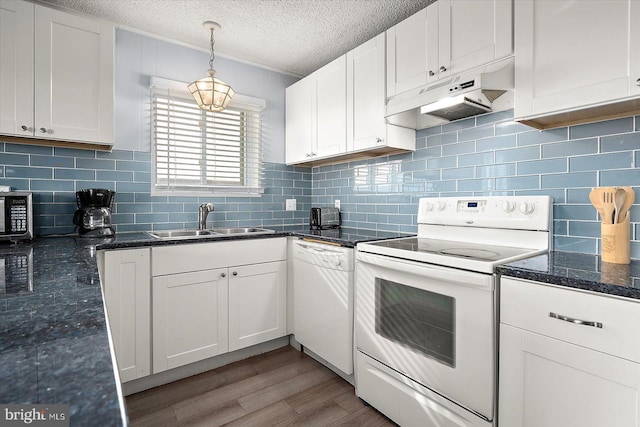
<point>478,91</point>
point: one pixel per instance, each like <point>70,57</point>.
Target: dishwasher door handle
<point>316,249</point>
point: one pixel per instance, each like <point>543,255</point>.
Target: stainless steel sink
<point>179,234</point>
<point>241,230</point>
<point>193,234</point>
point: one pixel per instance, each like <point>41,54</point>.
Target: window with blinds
<point>201,152</point>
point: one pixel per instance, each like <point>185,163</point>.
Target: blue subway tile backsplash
<point>486,155</point>
<point>493,155</point>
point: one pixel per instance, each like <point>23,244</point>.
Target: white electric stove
<point>426,310</point>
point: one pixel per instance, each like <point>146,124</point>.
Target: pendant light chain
<point>213,55</point>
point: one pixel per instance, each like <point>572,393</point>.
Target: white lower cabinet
<point>125,276</point>
<point>556,368</point>
<point>190,317</point>
<point>257,303</point>
<point>212,298</point>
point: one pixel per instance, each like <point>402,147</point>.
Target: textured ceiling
<point>292,36</point>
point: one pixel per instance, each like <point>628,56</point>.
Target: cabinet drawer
<point>527,305</point>
<point>206,256</point>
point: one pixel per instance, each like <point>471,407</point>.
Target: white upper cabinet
<point>57,74</point>
<point>365,87</point>
<point>366,125</point>
<point>300,120</point>
<point>447,38</point>
<point>572,55</point>
<point>470,33</point>
<point>337,113</point>
<point>331,101</point>
<point>316,109</point>
<point>407,54</point>
<point>73,77</point>
<point>16,67</point>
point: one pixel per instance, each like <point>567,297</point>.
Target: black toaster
<point>320,218</point>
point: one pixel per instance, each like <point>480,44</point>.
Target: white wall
<point>139,57</point>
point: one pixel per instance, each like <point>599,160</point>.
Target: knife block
<point>615,242</point>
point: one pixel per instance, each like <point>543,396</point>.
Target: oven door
<point>433,324</point>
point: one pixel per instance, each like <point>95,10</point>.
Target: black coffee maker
<point>93,216</point>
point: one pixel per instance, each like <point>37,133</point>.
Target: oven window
<point>421,320</point>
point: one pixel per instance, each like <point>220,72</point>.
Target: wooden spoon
<point>630,196</point>
<point>595,196</point>
<point>618,200</point>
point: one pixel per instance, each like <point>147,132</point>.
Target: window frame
<point>254,169</point>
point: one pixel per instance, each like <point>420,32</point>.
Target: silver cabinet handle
<point>235,273</point>
<point>224,274</point>
<point>23,127</point>
<point>431,73</point>
<point>443,68</point>
<point>43,130</point>
<point>575,321</point>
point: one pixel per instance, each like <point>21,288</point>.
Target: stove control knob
<point>429,206</point>
<point>441,206</point>
<point>508,206</point>
<point>527,208</point>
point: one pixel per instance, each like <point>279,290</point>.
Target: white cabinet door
<point>407,54</point>
<point>16,67</point>
<point>470,33</point>
<point>575,54</point>
<point>190,320</point>
<point>551,383</point>
<point>257,303</point>
<point>73,77</point>
<point>300,120</point>
<point>365,95</point>
<point>331,103</point>
<point>126,281</point>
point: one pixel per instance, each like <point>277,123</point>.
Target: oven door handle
<point>446,274</point>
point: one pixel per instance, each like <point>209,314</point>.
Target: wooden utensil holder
<point>615,242</point>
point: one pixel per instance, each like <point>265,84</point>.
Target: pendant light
<point>211,93</point>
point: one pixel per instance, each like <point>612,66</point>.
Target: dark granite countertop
<point>348,237</point>
<point>54,346</point>
<point>54,343</point>
<point>579,271</point>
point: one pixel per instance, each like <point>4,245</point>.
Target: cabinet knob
<point>224,274</point>
<point>235,273</point>
<point>23,127</point>
<point>431,73</point>
<point>378,140</point>
<point>443,68</point>
<point>638,82</point>
<point>43,130</point>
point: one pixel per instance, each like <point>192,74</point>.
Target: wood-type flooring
<point>281,388</point>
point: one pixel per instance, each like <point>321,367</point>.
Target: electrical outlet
<point>337,204</point>
<point>290,205</point>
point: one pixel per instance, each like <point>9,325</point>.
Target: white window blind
<point>201,152</point>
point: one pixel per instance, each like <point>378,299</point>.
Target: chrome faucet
<point>203,211</point>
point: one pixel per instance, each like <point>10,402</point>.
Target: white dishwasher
<point>323,301</point>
